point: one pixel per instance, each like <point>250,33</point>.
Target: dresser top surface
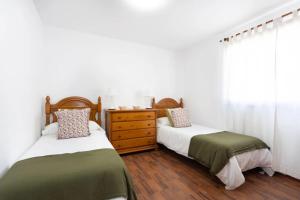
<point>131,110</point>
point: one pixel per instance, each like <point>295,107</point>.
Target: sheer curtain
<point>287,138</point>
<point>262,90</point>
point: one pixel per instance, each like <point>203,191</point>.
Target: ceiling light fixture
<point>147,5</point>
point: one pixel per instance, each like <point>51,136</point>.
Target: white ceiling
<point>177,23</point>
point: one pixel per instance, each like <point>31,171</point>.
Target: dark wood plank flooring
<point>166,175</point>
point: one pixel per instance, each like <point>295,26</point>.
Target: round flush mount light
<point>147,5</point>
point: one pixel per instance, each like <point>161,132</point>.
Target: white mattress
<point>50,145</point>
<point>178,140</point>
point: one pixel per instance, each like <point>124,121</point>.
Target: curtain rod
<point>226,39</point>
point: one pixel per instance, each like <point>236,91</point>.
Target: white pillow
<point>93,126</point>
<point>50,129</point>
<point>163,121</point>
<point>53,128</point>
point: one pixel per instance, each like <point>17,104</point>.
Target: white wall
<point>20,87</point>
<point>201,84</point>
<point>88,65</point>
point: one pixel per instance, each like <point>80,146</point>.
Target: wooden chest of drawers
<point>131,130</point>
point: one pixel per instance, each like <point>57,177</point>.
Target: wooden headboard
<point>73,103</point>
<point>164,104</point>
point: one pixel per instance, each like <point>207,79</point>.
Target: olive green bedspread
<point>214,150</point>
<point>92,175</point>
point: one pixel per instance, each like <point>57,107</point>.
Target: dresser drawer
<point>122,135</point>
<point>133,116</point>
<point>117,126</point>
<point>123,144</point>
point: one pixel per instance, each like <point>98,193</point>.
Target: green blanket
<point>92,175</point>
<point>214,150</point>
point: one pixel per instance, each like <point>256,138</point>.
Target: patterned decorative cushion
<point>73,123</point>
<point>179,118</point>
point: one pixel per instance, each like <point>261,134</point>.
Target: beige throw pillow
<point>73,123</point>
<point>179,118</point>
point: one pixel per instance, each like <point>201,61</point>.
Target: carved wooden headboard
<point>164,104</point>
<point>73,103</point>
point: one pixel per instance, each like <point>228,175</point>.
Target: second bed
<point>179,139</point>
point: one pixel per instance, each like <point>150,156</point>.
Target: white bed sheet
<point>178,140</point>
<point>50,145</point>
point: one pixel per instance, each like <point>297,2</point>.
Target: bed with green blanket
<point>92,175</point>
<point>226,155</point>
<point>83,175</point>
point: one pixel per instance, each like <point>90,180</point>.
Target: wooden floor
<point>163,174</point>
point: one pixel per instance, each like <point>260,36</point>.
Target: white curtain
<point>262,90</point>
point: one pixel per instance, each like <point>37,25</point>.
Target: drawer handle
<point>119,136</point>
<point>149,133</point>
<point>149,124</point>
<point>119,117</point>
<point>119,126</point>
<point>148,116</point>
